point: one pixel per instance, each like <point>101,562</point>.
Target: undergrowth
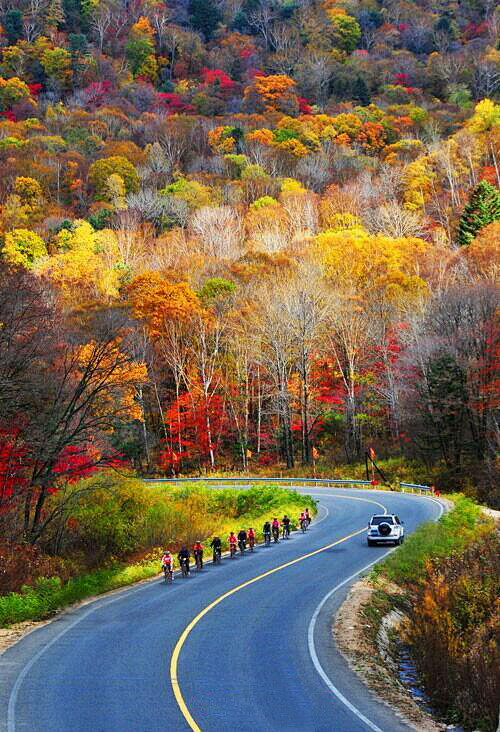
<point>207,512</point>
<point>447,574</point>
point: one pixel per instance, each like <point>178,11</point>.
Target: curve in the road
<point>104,667</point>
<point>174,661</point>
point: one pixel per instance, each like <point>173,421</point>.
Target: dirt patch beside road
<point>364,656</point>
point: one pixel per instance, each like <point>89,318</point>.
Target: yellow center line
<point>174,661</point>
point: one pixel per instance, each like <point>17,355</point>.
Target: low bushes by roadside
<point>454,633</point>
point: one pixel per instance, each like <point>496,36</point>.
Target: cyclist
<point>216,545</point>
<point>307,517</point>
<point>286,526</point>
<point>167,563</point>
<point>276,530</point>
<point>303,521</point>
<point>232,540</point>
<point>266,530</point>
<point>198,554</point>
<point>242,540</point>
<point>251,538</point>
<point>183,557</point>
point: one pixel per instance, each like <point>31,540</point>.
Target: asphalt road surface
<point>261,658</point>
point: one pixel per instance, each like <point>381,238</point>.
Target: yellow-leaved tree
<point>86,266</point>
<point>122,377</point>
<point>372,266</point>
<point>23,248</point>
<point>372,278</point>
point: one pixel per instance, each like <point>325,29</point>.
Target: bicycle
<point>285,532</point>
<point>232,550</point>
<point>267,538</point>
<point>276,535</point>
<point>199,562</point>
<point>251,543</point>
<point>303,525</point>
<point>217,555</point>
<point>168,574</point>
<point>242,546</point>
<point>184,567</point>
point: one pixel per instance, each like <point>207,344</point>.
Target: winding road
<point>245,645</point>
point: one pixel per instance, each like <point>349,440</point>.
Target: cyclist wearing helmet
<point>216,545</point>
<point>183,557</point>
<point>276,529</point>
<point>198,553</point>
<point>167,563</point>
<point>242,539</point>
<point>266,530</point>
<point>251,538</point>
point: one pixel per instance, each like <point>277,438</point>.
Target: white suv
<point>383,529</point>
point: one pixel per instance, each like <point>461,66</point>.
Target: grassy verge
<point>213,512</point>
<point>431,541</point>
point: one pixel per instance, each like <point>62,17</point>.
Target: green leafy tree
<point>13,25</point>
<point>347,32</point>
<point>216,290</point>
<point>205,16</point>
<point>482,208</point>
<point>100,171</point>
<point>360,91</point>
<point>56,63</point>
<point>138,51</point>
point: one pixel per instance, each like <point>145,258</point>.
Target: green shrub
<point>116,515</point>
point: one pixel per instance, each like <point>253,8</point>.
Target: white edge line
<point>11,709</point>
<point>312,625</point>
<point>11,716</point>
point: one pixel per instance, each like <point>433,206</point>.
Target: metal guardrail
<point>416,485</point>
<point>290,481</point>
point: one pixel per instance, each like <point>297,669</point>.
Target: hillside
<point>243,235</point>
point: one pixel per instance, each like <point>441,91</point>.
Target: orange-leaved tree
<point>170,312</point>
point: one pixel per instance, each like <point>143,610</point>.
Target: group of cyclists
<point>241,540</point>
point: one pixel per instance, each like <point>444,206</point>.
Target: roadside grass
<point>232,510</point>
<point>453,532</point>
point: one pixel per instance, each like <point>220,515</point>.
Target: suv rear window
<point>376,520</point>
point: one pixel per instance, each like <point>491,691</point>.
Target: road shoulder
<point>363,655</point>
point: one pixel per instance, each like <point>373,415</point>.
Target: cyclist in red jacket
<point>198,553</point>
<point>233,543</point>
<point>167,561</point>
<point>276,530</point>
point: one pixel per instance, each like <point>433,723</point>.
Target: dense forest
<point>246,234</point>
